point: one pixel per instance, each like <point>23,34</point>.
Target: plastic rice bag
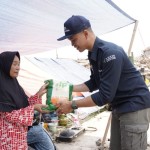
<point>57,90</point>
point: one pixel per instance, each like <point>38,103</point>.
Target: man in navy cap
<point>117,82</point>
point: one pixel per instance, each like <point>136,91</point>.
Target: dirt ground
<point>94,130</point>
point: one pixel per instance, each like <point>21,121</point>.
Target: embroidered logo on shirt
<point>109,58</point>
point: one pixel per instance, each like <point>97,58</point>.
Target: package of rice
<point>57,90</point>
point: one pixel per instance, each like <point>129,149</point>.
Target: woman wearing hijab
<point>16,109</point>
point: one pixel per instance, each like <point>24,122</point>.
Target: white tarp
<point>35,70</point>
<point>31,26</point>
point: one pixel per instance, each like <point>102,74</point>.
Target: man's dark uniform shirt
<point>118,82</point>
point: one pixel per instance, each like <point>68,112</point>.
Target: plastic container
<point>52,127</point>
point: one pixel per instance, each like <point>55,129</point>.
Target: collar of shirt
<point>97,45</point>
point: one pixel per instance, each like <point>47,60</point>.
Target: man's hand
<point>64,107</point>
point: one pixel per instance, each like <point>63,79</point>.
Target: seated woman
<point>37,137</point>
<point>16,109</point>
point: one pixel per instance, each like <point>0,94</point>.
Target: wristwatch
<point>74,105</point>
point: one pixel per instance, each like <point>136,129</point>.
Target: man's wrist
<point>74,105</point>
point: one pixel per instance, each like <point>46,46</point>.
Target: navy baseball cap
<point>74,25</point>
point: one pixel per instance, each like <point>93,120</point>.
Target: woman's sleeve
<point>34,100</point>
<point>22,116</point>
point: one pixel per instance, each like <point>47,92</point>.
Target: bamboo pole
<point>132,38</point>
<point>105,133</point>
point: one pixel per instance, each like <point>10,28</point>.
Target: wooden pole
<point>132,38</point>
<point>106,131</point>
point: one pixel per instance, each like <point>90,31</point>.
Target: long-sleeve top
<point>118,82</point>
<point>14,126</point>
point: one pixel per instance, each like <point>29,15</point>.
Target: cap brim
<point>64,37</point>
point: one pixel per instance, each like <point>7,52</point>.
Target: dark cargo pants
<point>129,130</point>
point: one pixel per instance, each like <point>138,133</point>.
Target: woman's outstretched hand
<point>39,107</point>
<point>42,90</point>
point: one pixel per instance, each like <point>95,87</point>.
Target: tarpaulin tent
<point>32,26</point>
<point>35,70</point>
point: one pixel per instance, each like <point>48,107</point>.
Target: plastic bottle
<point>76,124</point>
